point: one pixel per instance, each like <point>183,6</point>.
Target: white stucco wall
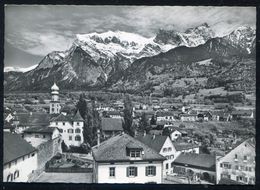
<point>120,173</point>
<point>241,151</point>
<point>65,135</point>
<point>25,167</point>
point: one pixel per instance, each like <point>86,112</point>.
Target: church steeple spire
<point>55,104</point>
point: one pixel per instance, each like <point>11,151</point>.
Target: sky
<point>33,31</point>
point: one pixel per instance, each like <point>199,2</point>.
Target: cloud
<point>41,29</point>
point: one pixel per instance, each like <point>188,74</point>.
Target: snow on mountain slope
<point>19,69</point>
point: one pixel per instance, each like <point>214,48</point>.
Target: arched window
<point>77,138</point>
<point>16,174</point>
<point>77,130</point>
<point>9,178</point>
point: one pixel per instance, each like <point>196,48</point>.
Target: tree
<point>92,121</point>
<point>64,147</point>
<point>143,123</point>
<point>153,120</point>
<point>128,116</point>
<point>166,131</point>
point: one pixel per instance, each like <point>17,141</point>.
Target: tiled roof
<point>242,112</point>
<point>33,119</point>
<point>40,130</point>
<point>156,142</point>
<point>226,181</point>
<point>15,147</point>
<point>62,117</point>
<point>196,160</point>
<point>114,149</point>
<point>113,113</point>
<point>112,124</point>
<point>78,117</point>
<point>179,146</point>
<point>164,113</point>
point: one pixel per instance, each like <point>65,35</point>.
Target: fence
<point>69,170</point>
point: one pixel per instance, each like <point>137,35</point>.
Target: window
<point>77,130</point>
<point>236,167</point>
<point>16,174</point>
<point>164,149</point>
<point>70,130</point>
<point>150,171</point>
<point>77,123</point>
<point>33,154</point>
<point>235,156</point>
<point>63,123</point>
<point>131,171</point>
<point>221,165</point>
<point>112,172</point>
<point>245,158</point>
<point>77,138</point>
<point>167,166</point>
<point>170,149</point>
<point>135,154</point>
<point>36,136</point>
<point>44,136</point>
<point>61,130</point>
<point>249,169</point>
<point>9,178</point>
<point>56,123</point>
<point>70,138</point>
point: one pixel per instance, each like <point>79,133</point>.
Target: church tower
<point>55,103</point>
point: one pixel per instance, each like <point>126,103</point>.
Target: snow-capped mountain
<point>190,38</point>
<point>19,69</point>
<point>97,59</point>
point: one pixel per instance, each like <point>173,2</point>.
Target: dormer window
<point>135,153</point>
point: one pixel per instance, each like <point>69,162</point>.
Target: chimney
<point>144,133</point>
<point>98,137</point>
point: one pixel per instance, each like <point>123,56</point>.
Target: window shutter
<point>127,171</point>
<point>135,171</point>
<point>146,171</point>
<point>127,152</point>
<point>154,169</point>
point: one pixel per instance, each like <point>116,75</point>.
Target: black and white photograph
<point>113,94</point>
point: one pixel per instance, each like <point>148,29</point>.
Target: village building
<point>19,159</point>
<point>124,159</point>
<point>23,121</point>
<point>38,135</point>
<point>239,164</point>
<point>242,114</point>
<point>114,114</point>
<point>188,117</point>
<point>196,166</point>
<point>163,146</point>
<point>165,116</point>
<point>70,127</point>
<point>184,147</point>
<point>111,126</point>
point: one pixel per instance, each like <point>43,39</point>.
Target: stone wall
<point>47,150</point>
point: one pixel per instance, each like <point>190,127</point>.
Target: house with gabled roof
<point>238,164</point>
<point>124,159</point>
<point>111,126</point>
<point>196,166</point>
<point>163,146</point>
<point>19,158</point>
<point>23,121</point>
<point>38,135</point>
<point>70,127</point>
